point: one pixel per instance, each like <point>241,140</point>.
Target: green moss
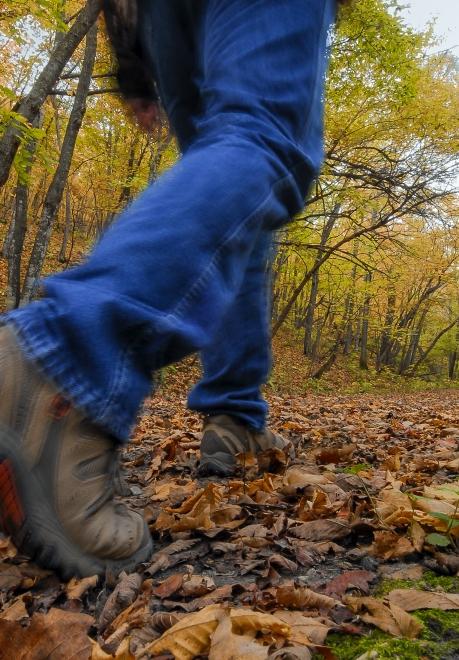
<point>439,639</point>
<point>429,581</point>
<point>349,647</point>
<point>441,582</point>
<point>355,469</point>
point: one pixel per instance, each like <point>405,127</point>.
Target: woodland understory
<point>346,545</point>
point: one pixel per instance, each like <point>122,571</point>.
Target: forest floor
<point>344,547</point>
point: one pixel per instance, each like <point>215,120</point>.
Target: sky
<point>419,12</point>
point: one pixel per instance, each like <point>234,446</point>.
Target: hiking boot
<point>57,474</point>
<point>224,437</point>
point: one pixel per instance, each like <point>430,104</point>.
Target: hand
<point>145,113</point>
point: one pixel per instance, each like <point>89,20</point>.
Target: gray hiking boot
<point>57,478</point>
<point>224,437</point>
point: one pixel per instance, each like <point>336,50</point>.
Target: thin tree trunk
<point>13,288</point>
<point>349,306</point>
<point>433,343</point>
<point>385,344</point>
<point>453,357</point>
<point>67,226</point>
<point>56,189</point>
<point>308,342</point>
<point>363,361</point>
<point>33,101</point>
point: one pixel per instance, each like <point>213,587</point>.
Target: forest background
<point>365,281</point>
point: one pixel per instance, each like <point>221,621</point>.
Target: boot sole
<point>218,464</point>
<point>29,518</point>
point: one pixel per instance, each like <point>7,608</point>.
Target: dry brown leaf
<point>303,598</point>
<point>217,596</point>
<point>450,562</point>
<point>226,514</point>
<point>197,585</point>
<point>58,635</point>
<point>190,636</point>
<point>226,645</point>
<point>389,545</point>
<point>124,594</point>
<point>162,621</point>
<point>97,653</point>
<point>408,572</point>
<point>321,530</point>
<point>168,586</point>
<point>358,579</point>
<point>305,629</point>
<point>391,619</point>
<point>394,507</point>
<point>414,599</point>
<point>76,588</point>
<point>245,620</point>
<point>10,577</point>
<point>335,454</point>
<point>291,653</point>
<point>298,477</point>
<point>282,562</point>
<point>16,611</point>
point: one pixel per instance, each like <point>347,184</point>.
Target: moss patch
<point>429,582</point>
<point>349,647</point>
<point>439,639</point>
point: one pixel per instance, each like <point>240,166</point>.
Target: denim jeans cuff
<point>40,343</point>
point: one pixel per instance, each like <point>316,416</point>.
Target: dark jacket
<point>135,77</point>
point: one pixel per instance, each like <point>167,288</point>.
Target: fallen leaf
<point>58,635</point>
<point>391,619</point>
<point>226,645</point>
<point>388,545</point>
<point>291,653</point>
<point>297,477</point>
<point>305,629</point>
<point>10,577</point>
<point>358,579</point>
<point>123,595</point>
<point>415,599</point>
<point>321,530</point>
<point>190,636</point>
<point>169,586</point>
<point>197,585</point>
<point>16,611</point>
<point>335,454</point>
<point>76,588</point>
<point>303,598</point>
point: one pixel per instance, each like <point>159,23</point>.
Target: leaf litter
<point>270,562</point>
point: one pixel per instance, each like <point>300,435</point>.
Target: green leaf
<point>438,539</point>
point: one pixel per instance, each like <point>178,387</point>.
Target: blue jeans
<point>183,269</point>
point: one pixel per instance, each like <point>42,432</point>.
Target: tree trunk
<point>13,288</point>
<point>308,342</point>
<point>385,343</point>
<point>67,226</point>
<point>56,189</point>
<point>453,357</point>
<point>363,361</point>
<point>32,102</point>
<point>126,191</point>
<point>433,343</point>
<point>349,306</point>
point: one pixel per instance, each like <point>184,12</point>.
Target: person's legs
<point>237,362</point>
<point>164,275</point>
